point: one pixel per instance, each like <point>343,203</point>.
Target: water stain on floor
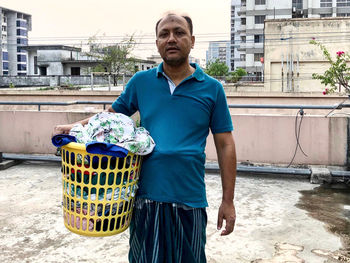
<point>284,252</point>
<point>330,205</point>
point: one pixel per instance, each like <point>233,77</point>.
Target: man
<point>178,104</point>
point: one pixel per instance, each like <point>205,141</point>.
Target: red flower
<point>340,53</point>
<point>324,93</point>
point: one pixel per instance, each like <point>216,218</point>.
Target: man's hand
<point>62,129</point>
<point>227,212</point>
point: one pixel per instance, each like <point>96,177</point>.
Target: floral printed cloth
<point>114,128</point>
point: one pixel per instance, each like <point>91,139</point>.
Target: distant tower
<point>219,50</point>
<point>14,34</point>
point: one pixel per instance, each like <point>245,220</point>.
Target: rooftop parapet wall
<point>52,81</point>
<point>259,138</point>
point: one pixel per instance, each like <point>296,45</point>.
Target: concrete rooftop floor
<point>270,225</point>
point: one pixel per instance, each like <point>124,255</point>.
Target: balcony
<point>242,11</point>
<point>240,64</point>
<point>241,29</point>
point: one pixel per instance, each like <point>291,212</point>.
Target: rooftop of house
<point>50,47</point>
<point>269,222</point>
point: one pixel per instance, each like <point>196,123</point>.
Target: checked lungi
<point>167,233</point>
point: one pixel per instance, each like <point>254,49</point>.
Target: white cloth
<point>115,128</point>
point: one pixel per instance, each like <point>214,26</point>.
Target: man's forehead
<point>172,19</point>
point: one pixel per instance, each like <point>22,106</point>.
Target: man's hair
<point>187,18</point>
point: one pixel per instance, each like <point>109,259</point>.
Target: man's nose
<point>171,37</point>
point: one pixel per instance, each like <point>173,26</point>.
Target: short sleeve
<point>127,102</point>
<point>220,118</point>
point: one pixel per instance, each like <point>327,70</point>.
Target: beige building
<point>289,58</point>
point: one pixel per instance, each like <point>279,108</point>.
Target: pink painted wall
<point>259,138</point>
<point>271,139</point>
<point>30,131</point>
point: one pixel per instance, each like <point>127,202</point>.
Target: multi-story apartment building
<point>14,35</point>
<point>247,25</point>
<point>219,50</point>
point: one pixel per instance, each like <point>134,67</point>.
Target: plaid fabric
<point>167,233</point>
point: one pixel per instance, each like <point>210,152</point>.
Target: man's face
<point>174,40</point>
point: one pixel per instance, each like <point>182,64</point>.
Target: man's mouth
<point>172,49</point>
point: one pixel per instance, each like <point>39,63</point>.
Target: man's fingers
<point>230,225</point>
<point>220,219</point>
<point>61,129</point>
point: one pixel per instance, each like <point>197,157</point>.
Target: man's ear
<point>157,45</point>
<point>193,39</point>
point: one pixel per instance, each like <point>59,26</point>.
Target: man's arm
<point>65,128</point>
<point>226,152</point>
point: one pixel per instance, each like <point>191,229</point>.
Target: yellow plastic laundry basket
<point>98,190</point>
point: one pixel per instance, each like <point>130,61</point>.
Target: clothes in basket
<point>117,129</point>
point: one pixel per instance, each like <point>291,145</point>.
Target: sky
<point>71,22</point>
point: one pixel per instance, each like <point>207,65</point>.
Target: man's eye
<point>180,33</point>
<point>162,35</point>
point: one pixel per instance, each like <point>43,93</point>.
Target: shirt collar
<point>198,74</point>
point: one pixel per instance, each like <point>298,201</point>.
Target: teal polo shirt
<point>179,123</point>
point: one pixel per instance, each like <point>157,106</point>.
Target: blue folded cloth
<point>106,149</point>
<point>62,139</point>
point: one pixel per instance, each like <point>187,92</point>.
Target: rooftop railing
<point>338,106</point>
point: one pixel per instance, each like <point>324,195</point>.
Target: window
<point>43,71</point>
<point>21,32</point>
<point>259,19</point>
<point>4,28</point>
<point>21,58</point>
<point>21,74</point>
<point>243,3</point>
<point>243,39</point>
<point>343,14</point>
<point>326,3</point>
<point>5,56</point>
<point>325,15</point>
<point>341,3</point>
<point>21,23</point>
<point>35,64</point>
<point>298,4</point>
<point>232,11</point>
<point>260,2</point>
<point>257,56</point>
<point>22,41</point>
<point>20,50</point>
<point>258,38</point>
<point>21,67</point>
<point>5,72</point>
<point>4,19</point>
<point>242,57</point>
<point>243,21</point>
<point>19,15</point>
<point>5,65</point>
<point>75,71</point>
